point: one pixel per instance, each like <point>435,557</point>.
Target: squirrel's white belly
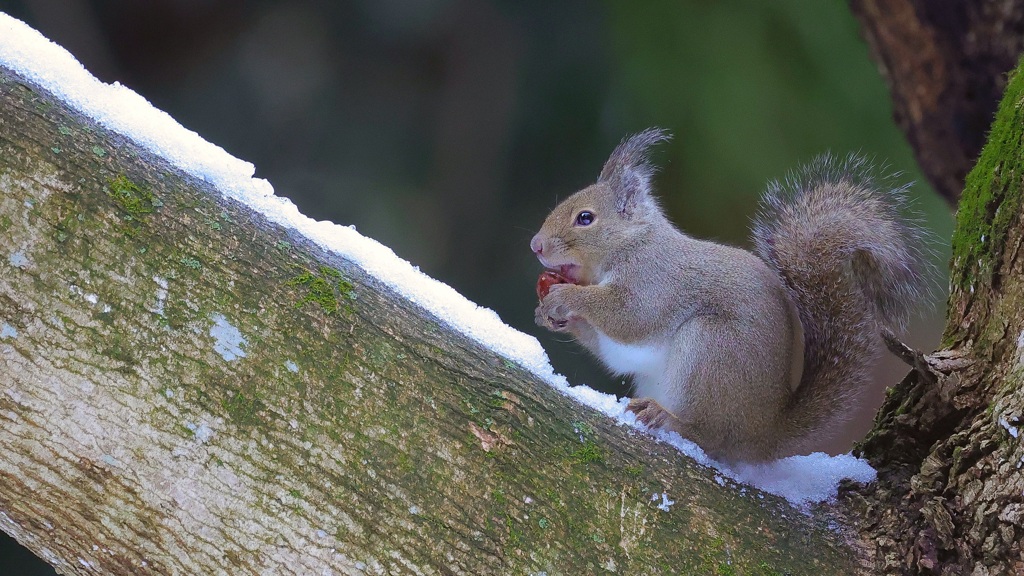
<point>649,364</point>
<point>638,359</point>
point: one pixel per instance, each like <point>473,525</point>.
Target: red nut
<point>547,280</point>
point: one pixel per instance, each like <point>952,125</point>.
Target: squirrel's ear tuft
<point>628,170</point>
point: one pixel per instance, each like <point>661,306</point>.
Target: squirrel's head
<point>587,229</point>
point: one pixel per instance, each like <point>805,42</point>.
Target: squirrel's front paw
<point>553,312</point>
<point>554,318</point>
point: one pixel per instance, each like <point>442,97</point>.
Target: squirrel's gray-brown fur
<point>752,357</point>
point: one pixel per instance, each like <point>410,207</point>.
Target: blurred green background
<point>447,129</point>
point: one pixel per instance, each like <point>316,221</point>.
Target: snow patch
<point>801,479</point>
<point>8,331</point>
<point>1005,423</point>
<point>88,296</point>
<point>291,366</point>
<point>666,504</point>
<point>228,341</point>
<point>18,259</point>
<point>161,295</point>
<point>109,460</point>
<point>202,431</point>
<point>804,479</point>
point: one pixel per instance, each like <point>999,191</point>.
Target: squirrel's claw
<point>552,319</point>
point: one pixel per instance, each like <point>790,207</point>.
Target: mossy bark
<point>950,495</point>
<point>186,388</point>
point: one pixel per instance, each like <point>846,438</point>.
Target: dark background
<point>447,129</point>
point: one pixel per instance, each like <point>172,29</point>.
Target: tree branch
<point>189,388</point>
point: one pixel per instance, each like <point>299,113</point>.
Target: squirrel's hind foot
<point>653,415</point>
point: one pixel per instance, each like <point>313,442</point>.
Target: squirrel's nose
<point>536,245</point>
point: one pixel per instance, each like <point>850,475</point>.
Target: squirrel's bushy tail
<point>854,264</point>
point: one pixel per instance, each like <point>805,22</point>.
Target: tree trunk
<point>946,64</point>
<point>950,494</point>
<point>190,389</point>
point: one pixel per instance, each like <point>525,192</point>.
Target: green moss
<point>328,288</point>
<point>904,407</point>
<point>380,352</point>
<point>497,399</point>
<point>406,465</point>
<point>177,313</point>
<point>957,459</point>
<point>190,262</point>
<point>62,231</point>
<point>118,351</point>
<point>636,470</point>
<point>582,428</point>
<point>515,535</point>
<point>766,569</point>
<point>588,453</point>
<point>99,151</point>
<point>992,197</point>
<point>134,200</point>
<point>244,409</point>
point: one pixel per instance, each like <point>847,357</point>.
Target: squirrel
<point>752,355</point>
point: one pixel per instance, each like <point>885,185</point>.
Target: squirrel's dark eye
<point>585,218</point>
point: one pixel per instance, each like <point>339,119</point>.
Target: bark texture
<point>946,64</point>
<point>186,388</point>
<point>950,495</point>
